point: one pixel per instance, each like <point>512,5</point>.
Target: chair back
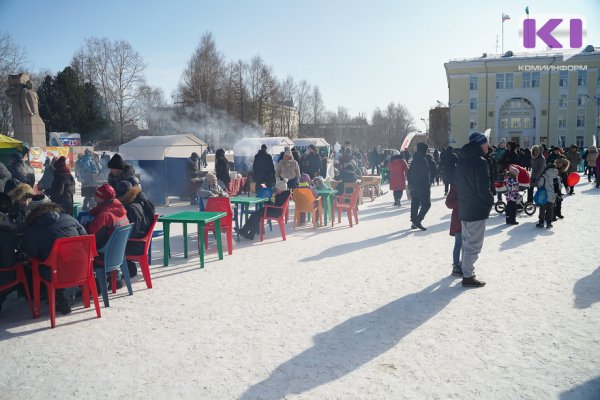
<point>284,209</point>
<point>70,259</point>
<point>149,235</point>
<point>355,194</point>
<point>114,250</point>
<point>304,200</point>
<point>220,204</point>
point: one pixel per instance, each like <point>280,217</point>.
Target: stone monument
<point>27,124</point>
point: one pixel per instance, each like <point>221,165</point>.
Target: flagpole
<point>502,33</point>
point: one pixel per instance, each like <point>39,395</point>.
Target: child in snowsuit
<point>512,195</point>
<point>550,181</point>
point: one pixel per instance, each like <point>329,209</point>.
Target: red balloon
<point>573,179</point>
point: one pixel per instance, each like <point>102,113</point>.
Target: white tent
<point>159,147</point>
<point>250,146</point>
<point>305,142</point>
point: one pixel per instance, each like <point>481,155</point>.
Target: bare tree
<point>12,59</point>
<point>149,100</point>
<point>317,107</point>
<point>301,98</point>
<point>116,69</point>
<point>391,125</point>
<point>239,71</point>
<point>262,86</point>
<point>202,80</point>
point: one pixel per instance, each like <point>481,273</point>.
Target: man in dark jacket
<point>140,213</point>
<point>419,186</point>
<point>45,224</point>
<point>311,162</point>
<point>63,186</point>
<point>5,175</point>
<point>20,170</point>
<point>475,202</point>
<point>8,244</point>
<point>448,162</point>
<point>119,171</point>
<point>263,167</point>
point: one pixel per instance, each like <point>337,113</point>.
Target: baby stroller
<point>523,179</point>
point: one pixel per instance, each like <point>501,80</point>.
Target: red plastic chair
<point>280,219</point>
<point>19,270</point>
<point>347,203</point>
<point>143,259</point>
<point>220,204</point>
<point>70,262</point>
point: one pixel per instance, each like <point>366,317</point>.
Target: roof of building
<point>509,55</point>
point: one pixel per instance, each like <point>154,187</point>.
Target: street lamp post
<point>426,126</point>
<point>597,100</point>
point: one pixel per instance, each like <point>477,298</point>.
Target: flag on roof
<point>505,17</point>
<point>527,10</point>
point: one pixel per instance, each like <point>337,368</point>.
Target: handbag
<point>540,197</point>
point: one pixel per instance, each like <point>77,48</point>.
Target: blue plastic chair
<point>114,258</point>
<point>265,193</point>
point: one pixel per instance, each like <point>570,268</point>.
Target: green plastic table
<point>192,217</point>
<point>327,195</point>
<point>245,203</point>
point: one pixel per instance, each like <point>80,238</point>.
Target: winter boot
<point>472,282</point>
<point>549,225</point>
<point>457,270</point>
<point>540,224</point>
<point>418,225</point>
<point>62,304</point>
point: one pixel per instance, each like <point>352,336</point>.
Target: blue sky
<point>361,54</point>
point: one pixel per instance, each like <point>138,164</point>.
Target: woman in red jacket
<point>398,169</point>
<point>107,215</point>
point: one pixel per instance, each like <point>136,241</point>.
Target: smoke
<point>215,127</point>
<point>145,177</point>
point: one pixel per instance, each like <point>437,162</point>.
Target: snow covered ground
<point>369,312</point>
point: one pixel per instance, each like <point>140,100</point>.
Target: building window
<point>503,122</point>
<point>535,79</point>
<point>473,82</point>
<point>581,78</point>
<point>473,104</point>
<point>515,123</point>
<point>508,81</point>
<point>526,122</point>
<point>499,81</point>
<point>526,79</point>
<point>562,100</point>
<point>581,100</point>
<point>562,121</point>
<point>563,78</point>
<point>580,120</point>
<point>473,123</point>
<point>562,141</point>
<point>579,141</point>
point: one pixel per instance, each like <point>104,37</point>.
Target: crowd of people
<point>33,216</point>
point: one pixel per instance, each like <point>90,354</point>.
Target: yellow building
<point>526,98</point>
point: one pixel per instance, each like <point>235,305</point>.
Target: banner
<point>38,155</point>
<point>407,140</point>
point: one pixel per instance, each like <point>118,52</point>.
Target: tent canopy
<point>7,142</point>
<point>305,142</point>
<point>250,146</point>
<point>159,147</point>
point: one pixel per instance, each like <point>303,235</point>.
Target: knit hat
<point>478,138</point>
<point>304,178</point>
<point>105,192</point>
<point>288,153</point>
<point>123,187</point>
<point>281,185</point>
<point>116,162</point>
<point>37,200</point>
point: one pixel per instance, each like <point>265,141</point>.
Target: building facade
<point>526,98</point>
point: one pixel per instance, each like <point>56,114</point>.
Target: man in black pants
<point>420,190</point>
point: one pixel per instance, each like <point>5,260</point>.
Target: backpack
<point>540,198</point>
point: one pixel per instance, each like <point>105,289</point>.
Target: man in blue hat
<point>475,202</point>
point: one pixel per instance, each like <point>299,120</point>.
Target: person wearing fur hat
<point>398,170</point>
<point>549,179</point>
<point>252,225</point>
<point>44,224</point>
<point>119,171</point>
<point>21,170</point>
<point>512,194</point>
<point>288,169</point>
<point>63,186</point>
<point>562,164</point>
<point>20,195</point>
<point>8,244</point>
<point>140,213</point>
<point>420,187</point>
<point>211,187</point>
<point>590,162</point>
<point>107,215</point>
<point>475,201</point>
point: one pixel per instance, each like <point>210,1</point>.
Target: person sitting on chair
<point>211,187</point>
<point>252,226</point>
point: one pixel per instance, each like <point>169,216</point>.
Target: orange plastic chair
<point>305,202</point>
<point>70,262</point>
<point>220,204</point>
<point>143,259</point>
<point>347,203</point>
<point>280,219</point>
<point>19,270</point>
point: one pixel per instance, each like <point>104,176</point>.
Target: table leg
<point>166,244</point>
<point>218,232</point>
<point>185,241</point>
<point>331,206</point>
<point>201,244</point>
<point>247,212</point>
